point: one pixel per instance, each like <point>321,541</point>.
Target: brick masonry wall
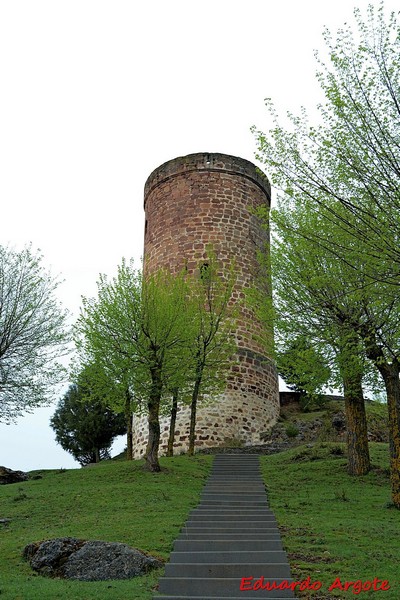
<point>205,199</point>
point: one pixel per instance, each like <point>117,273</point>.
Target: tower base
<point>234,418</point>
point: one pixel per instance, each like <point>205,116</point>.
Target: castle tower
<point>190,202</point>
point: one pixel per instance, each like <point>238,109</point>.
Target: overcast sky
<point>96,94</point>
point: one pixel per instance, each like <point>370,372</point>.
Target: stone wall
<point>191,202</point>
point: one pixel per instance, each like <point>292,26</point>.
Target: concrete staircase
<point>231,535</point>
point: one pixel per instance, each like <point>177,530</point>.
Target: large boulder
<point>49,557</point>
<point>10,476</point>
<point>73,558</point>
<point>96,561</point>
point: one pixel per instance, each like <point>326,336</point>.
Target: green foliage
<point>377,419</point>
<point>107,331</point>
<point>138,331</point>
<point>338,217</point>
<point>83,425</point>
<point>32,333</point>
<point>311,402</point>
<point>302,367</point>
<point>291,430</point>
<point>338,179</point>
<point>214,323</point>
<point>213,317</point>
<point>134,325</point>
<point>159,333</point>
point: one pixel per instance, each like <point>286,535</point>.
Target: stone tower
<point>190,202</point>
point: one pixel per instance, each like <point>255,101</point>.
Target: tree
<point>32,333</point>
<point>314,325</point>
<point>113,382</point>
<point>139,328</point>
<point>83,425</point>
<point>346,170</point>
<point>303,368</point>
<point>348,163</point>
<point>214,327</point>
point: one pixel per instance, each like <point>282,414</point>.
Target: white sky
<point>96,94</point>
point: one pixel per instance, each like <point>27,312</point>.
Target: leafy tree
<point>32,333</point>
<point>313,306</point>
<point>139,328</point>
<point>111,381</point>
<point>345,171</point>
<point>303,368</point>
<point>83,425</point>
<point>348,163</point>
<point>214,327</point>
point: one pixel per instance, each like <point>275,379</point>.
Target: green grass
<point>333,525</point>
<point>114,501</point>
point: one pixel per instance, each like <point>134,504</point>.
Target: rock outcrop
<point>10,476</point>
<point>73,558</point>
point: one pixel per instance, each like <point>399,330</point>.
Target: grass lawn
<point>114,501</point>
<point>333,525</point>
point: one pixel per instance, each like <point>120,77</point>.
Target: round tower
<point>191,202</point>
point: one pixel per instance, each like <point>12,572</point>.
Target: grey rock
<point>73,558</point>
<point>49,557</point>
<point>97,561</point>
<point>10,476</point>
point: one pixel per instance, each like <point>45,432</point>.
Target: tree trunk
<point>352,370</point>
<point>174,411</point>
<point>390,375</point>
<point>356,423</point>
<point>153,443</point>
<point>97,455</point>
<point>129,432</point>
<point>193,409</point>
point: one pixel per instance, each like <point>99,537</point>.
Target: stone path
<point>231,535</point>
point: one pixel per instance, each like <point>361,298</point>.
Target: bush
<point>292,430</point>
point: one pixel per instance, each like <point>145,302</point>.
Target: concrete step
<point>229,536</point>
<point>230,557</point>
<point>245,518</point>
<point>234,503</point>
<point>238,471</point>
<point>249,527</point>
<point>212,570</point>
<point>233,512</point>
<point>228,490</point>
<point>241,489</point>
<point>234,497</point>
<point>242,510</point>
<point>235,476</point>
<point>234,530</point>
<point>224,474</point>
<point>215,524</point>
<point>224,587</point>
<point>226,545</point>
